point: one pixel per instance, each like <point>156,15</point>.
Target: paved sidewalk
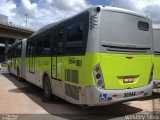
<point>27,101</point>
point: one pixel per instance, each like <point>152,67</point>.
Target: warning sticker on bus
<point>102,97</point>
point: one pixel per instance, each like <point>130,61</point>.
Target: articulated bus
<point>100,56</point>
<point>156,57</point>
<point>14,57</point>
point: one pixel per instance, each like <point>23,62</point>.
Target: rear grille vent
<point>72,91</point>
<point>71,75</point>
<point>127,49</point>
<point>93,22</point>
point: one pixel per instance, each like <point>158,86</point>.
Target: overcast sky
<point>42,12</point>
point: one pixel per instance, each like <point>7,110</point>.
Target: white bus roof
<point>156,28</point>
<point>108,8</point>
<point>123,11</point>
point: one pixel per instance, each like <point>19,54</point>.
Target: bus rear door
<point>57,52</point>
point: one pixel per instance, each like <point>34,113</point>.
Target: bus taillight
<point>98,77</point>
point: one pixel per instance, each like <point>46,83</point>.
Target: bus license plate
<point>129,94</point>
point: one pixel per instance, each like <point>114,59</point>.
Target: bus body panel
<point>42,65</point>
<point>156,61</point>
<point>117,67</point>
<point>156,57</point>
<point>105,97</point>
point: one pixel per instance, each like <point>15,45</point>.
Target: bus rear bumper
<point>156,83</point>
<point>97,97</point>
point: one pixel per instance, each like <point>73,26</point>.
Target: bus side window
<point>28,49</point>
<point>40,46</point>
<point>74,43</point>
<point>46,49</point>
<point>59,37</point>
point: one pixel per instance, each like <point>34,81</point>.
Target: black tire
<point>9,71</point>
<point>47,91</point>
<point>18,75</point>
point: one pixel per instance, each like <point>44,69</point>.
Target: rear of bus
<point>156,57</point>
<point>119,53</point>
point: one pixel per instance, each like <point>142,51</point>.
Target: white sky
<point>47,11</point>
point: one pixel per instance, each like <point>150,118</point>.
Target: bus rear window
<point>143,26</point>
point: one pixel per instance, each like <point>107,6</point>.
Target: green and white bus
<point>100,56</point>
<point>156,57</point>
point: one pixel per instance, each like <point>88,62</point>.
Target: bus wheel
<point>47,91</point>
<point>9,71</point>
<point>18,75</point>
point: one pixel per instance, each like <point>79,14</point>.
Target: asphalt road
<point>24,101</point>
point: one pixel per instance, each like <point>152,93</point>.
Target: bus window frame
<point>82,18</point>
